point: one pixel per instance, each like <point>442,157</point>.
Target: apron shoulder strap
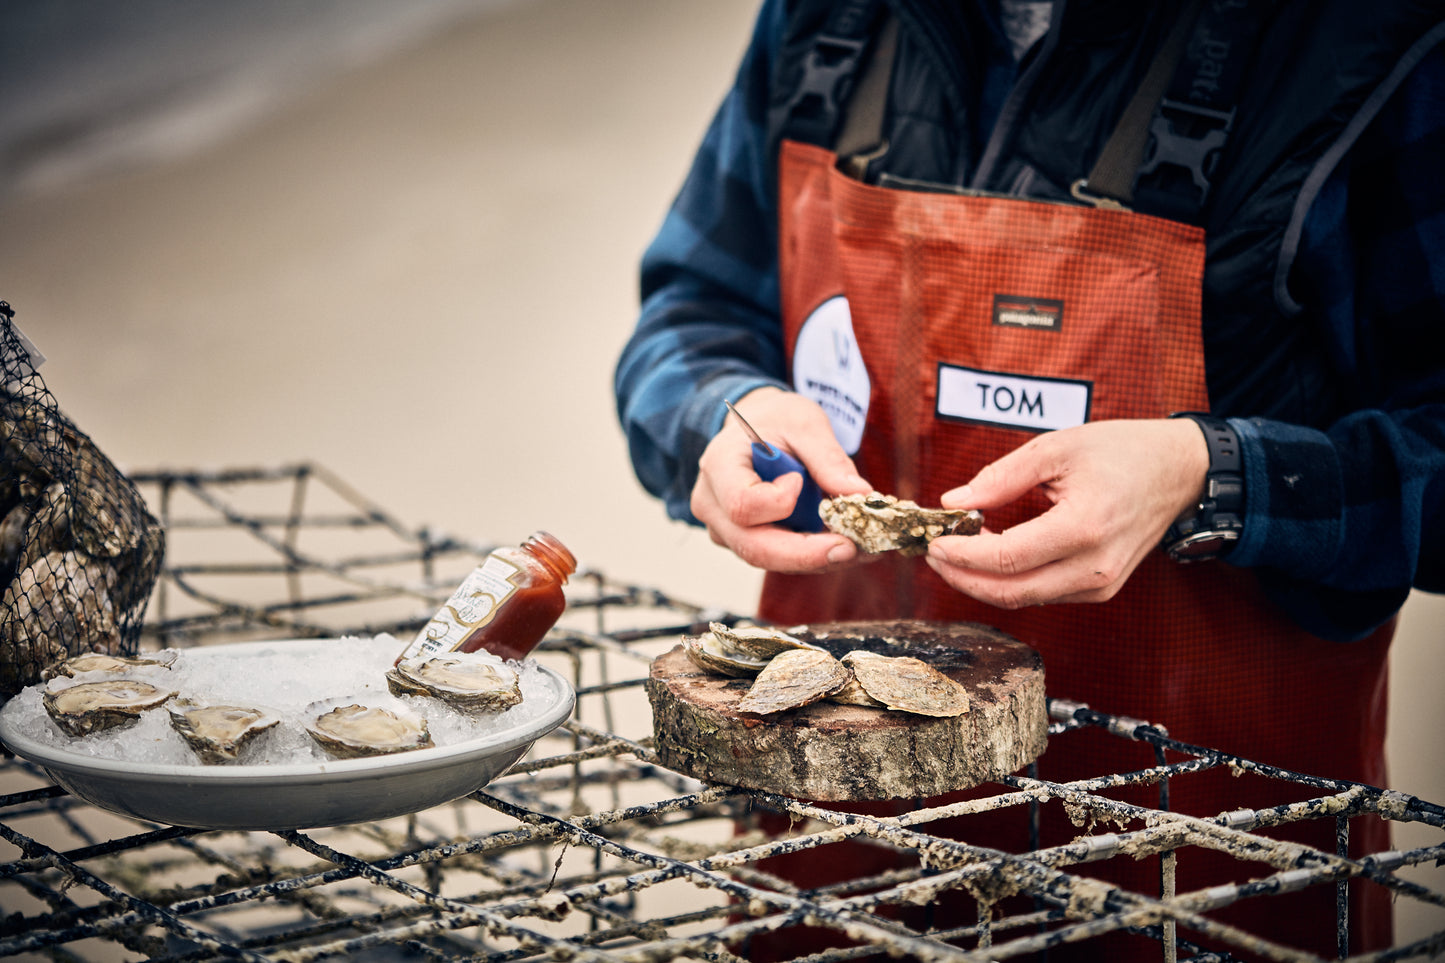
<point>1163,153</point>
<point>812,111</point>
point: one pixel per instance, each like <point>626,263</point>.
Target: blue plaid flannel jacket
<point>1339,524</point>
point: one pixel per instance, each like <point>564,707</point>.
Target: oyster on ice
<point>110,664</point>
<point>793,679</point>
<point>355,730</point>
<point>88,707</point>
<point>907,684</point>
<point>218,732</point>
<point>883,523</point>
<point>467,680</point>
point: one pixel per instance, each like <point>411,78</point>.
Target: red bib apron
<point>930,280</point>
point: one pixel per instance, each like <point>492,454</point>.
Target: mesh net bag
<point>79,551</point>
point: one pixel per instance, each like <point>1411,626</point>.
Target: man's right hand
<point>741,510</point>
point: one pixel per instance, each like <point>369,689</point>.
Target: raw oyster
<point>110,664</point>
<point>467,680</point>
<point>355,730</point>
<point>882,523</point>
<point>217,732</point>
<point>710,655</point>
<point>88,707</point>
<point>907,684</point>
<point>758,641</point>
<point>853,694</point>
<point>54,608</point>
<point>739,651</point>
<point>792,679</point>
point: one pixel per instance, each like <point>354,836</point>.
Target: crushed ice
<point>286,679</point>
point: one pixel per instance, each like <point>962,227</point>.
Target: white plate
<point>294,796</point>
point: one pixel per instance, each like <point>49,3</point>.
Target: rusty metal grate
<point>589,850</point>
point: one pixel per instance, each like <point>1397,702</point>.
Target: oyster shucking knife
<point>769,463</point>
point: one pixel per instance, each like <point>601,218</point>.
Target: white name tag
<point>1012,401</point>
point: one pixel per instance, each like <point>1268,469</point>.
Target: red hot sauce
<point>505,606</point>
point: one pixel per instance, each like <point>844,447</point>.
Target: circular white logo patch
<point>828,368</point>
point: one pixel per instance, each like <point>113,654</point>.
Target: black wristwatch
<point>1213,528</point>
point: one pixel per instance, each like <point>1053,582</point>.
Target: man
<point>925,264</point>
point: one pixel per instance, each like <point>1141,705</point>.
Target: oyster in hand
<point>467,680</point>
<point>217,732</point>
<point>884,523</point>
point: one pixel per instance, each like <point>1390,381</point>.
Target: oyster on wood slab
<point>759,641</point>
<point>739,651</point>
<point>883,523</point>
<point>94,706</point>
<point>793,679</point>
<point>355,730</point>
<point>467,680</point>
<point>218,732</point>
<point>710,655</point>
<point>906,684</point>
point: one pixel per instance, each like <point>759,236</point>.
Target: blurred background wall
<point>398,239</point>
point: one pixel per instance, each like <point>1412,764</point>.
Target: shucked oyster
<point>111,664</point>
<point>93,706</point>
<point>882,523</point>
<point>467,680</point>
<point>907,684</point>
<point>217,732</point>
<point>792,679</point>
<point>739,651</point>
<point>356,730</point>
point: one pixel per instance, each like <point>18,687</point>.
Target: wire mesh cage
<point>589,849</point>
<point>79,551</point>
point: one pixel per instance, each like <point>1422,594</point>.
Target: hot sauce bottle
<point>504,606</point>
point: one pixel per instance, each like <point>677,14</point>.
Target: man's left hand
<point>1115,487</point>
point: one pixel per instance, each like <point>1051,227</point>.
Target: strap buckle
<point>1188,137</point>
<point>826,71</point>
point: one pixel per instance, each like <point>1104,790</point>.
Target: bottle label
<point>475,603</point>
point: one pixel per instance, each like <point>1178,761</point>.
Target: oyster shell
<point>853,694</point>
<point>88,707</point>
<point>217,732</point>
<point>739,651</point>
<point>795,678</point>
<point>467,680</point>
<point>111,664</point>
<point>710,655</point>
<point>907,684</point>
<point>355,730</point>
<point>757,641</point>
<point>882,523</point>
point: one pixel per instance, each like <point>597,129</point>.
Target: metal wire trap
<point>590,850</point>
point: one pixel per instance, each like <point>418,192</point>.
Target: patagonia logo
<point>1010,400</point>
<point>1015,311</point>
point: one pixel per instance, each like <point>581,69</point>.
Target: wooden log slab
<point>834,753</point>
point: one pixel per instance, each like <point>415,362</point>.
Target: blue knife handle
<point>769,465</point>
